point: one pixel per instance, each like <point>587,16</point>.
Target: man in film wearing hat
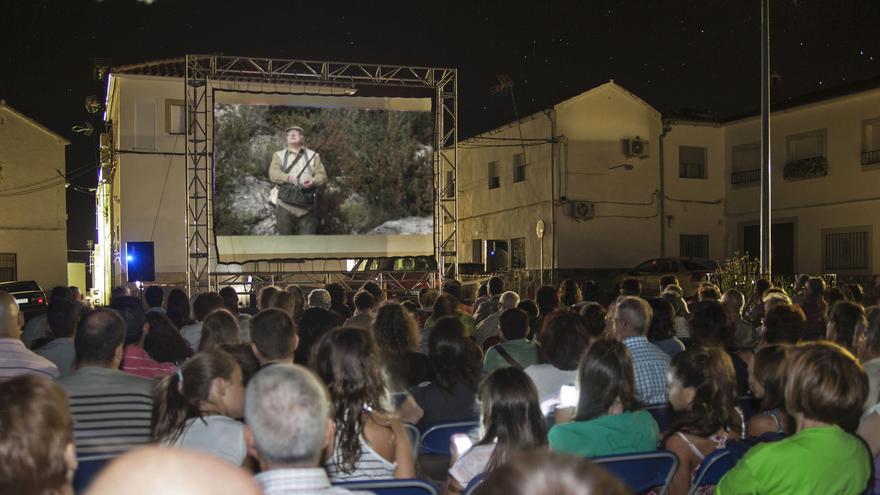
<point>297,172</point>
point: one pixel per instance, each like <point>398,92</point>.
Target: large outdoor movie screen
<point>326,169</point>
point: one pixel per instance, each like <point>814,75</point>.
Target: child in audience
<point>199,407</point>
<point>767,382</point>
<point>510,421</point>
<point>702,390</point>
<point>608,420</point>
<point>370,442</point>
<point>824,392</point>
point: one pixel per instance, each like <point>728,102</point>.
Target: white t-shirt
<point>193,334</point>
<point>548,380</point>
<point>218,435</point>
<point>472,463</point>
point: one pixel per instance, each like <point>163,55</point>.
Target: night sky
<point>701,55</point>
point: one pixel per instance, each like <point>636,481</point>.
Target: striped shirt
<point>370,466</point>
<point>136,361</point>
<point>16,359</point>
<point>111,411</point>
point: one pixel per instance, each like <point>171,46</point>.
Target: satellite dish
<point>539,229</point>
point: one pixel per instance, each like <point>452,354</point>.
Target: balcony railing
<point>745,177</point>
<point>870,157</point>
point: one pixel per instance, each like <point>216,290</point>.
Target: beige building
<point>33,205</point>
<point>615,183</point>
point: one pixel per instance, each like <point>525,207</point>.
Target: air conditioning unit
<point>636,146</point>
<point>580,209</point>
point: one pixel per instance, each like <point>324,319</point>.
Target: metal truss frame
<point>208,73</point>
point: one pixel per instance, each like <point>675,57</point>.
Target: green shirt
<point>823,460</point>
<point>523,351</point>
<point>612,434</point>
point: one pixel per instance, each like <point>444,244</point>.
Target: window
<point>805,145</point>
<point>145,125</point>
<point>8,267</point>
<point>693,245</point>
<point>692,162</point>
<point>494,178</point>
<point>871,142</point>
<point>746,166</point>
<point>477,251</point>
<point>450,183</point>
<point>846,249</point>
<point>174,117</point>
<point>518,252</point>
<point>519,167</point>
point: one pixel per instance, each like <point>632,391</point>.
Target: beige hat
<point>295,128</point>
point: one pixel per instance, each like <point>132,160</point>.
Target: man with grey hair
<point>489,326</point>
<point>320,298</point>
<point>632,318</point>
<point>288,425</point>
<point>745,336</point>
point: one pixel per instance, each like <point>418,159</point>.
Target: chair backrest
<point>712,469</point>
<point>86,471</point>
<point>415,437</point>
<point>662,415</point>
<point>390,487</point>
<point>644,471</point>
<point>435,440</point>
<point>474,483</point>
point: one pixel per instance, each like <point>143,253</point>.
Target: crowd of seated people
<point>315,388</point>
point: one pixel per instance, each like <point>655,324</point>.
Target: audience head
<point>287,412</point>
<point>60,292</point>
<point>547,300</point>
<point>36,437</point>
<point>632,317</point>
<point>396,330</point>
<point>677,301</point>
<point>483,290</point>
<point>119,291</point>
<point>630,287</point>
<point>531,309</point>
<point>510,415</point>
<point>132,311</point>
<point>444,305</point>
<point>76,293</point>
<point>606,381</point>
<point>709,292</point>
<point>163,342</point>
<point>590,290</point>
<point>320,298</point>
<point>767,376</point>
<point>761,286</point>
<point>548,473</point>
<point>564,339</point>
<point>62,317</point>
<point>508,300</point>
<point>825,383</point>
<point>801,282</point>
<point>662,326</point>
<point>593,315</point>
<point>347,360</point>
<point>775,297</point>
<point>299,300</point>
<point>313,324</point>
<point>452,354</point>
<point>178,308</point>
<point>674,288</point>
<point>374,290</point>
<point>427,298</point>
<point>99,338</point>
<point>220,327</point>
<point>857,291</point>
<point>154,296</point>
<point>364,301</point>
<point>205,303</point>
<point>283,300</point>
<point>667,280</point>
<point>569,292</point>
<point>230,299</point>
<point>835,294</point>
<point>845,320</point>
<point>152,470</point>
<point>701,384</point>
<point>264,297</point>
<point>734,300</point>
<point>868,345</point>
<point>514,324</point>
<point>711,325</point>
<point>273,336</point>
<point>453,288</point>
<point>784,324</point>
<point>209,383</point>
<point>337,295</point>
<point>495,286</point>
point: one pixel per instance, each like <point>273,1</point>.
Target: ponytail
<point>170,409</point>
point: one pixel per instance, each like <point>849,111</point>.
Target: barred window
<point>494,178</point>
<point>8,267</point>
<point>693,245</point>
<point>692,162</point>
<point>846,250</point>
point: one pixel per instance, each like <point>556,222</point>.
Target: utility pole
<point>766,213</point>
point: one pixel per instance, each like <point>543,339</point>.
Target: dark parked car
<point>29,296</point>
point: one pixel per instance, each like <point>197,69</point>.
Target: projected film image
<point>285,170</point>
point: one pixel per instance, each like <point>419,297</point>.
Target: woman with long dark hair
<point>510,421</point>
<point>178,308</point>
<point>702,391</point>
<point>662,330</point>
<point>199,407</point>
<point>767,381</point>
<point>564,339</point>
<point>608,419</point>
<point>370,443</point>
<point>569,294</point>
<point>398,339</point>
<point>163,342</point>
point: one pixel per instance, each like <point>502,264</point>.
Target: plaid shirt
<point>303,481</point>
<point>650,365</point>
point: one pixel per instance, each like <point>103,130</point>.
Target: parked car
<point>401,275</point>
<point>689,271</point>
<point>29,296</point>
